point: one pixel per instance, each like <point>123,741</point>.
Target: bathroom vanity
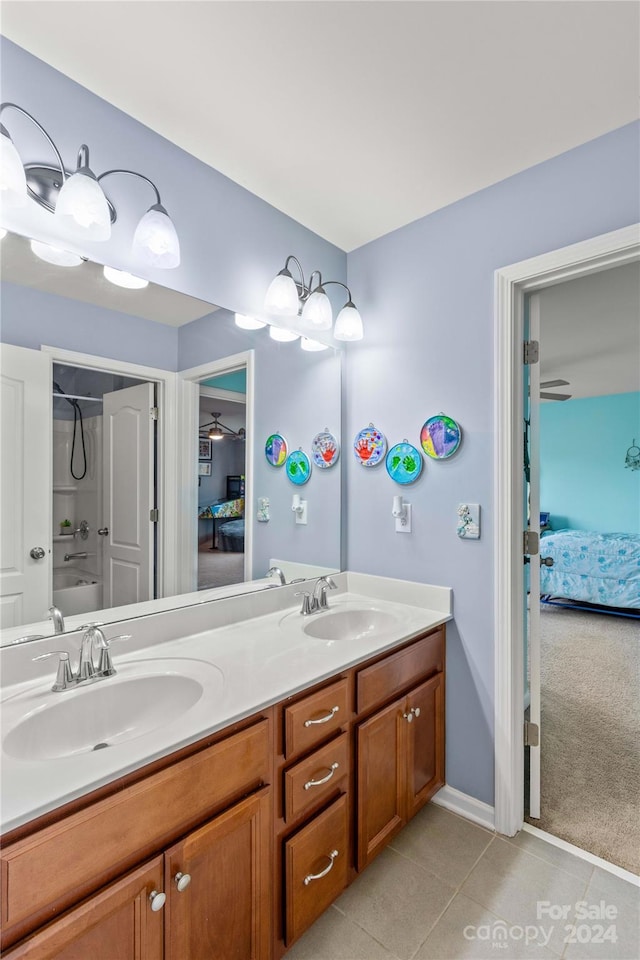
<point>324,737</point>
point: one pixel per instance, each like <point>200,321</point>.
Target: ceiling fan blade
<point>554,383</point>
<point>554,396</point>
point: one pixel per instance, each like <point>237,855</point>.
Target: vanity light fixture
<point>123,279</point>
<point>312,345</point>
<point>55,255</point>
<point>282,334</point>
<point>246,322</point>
<point>288,297</point>
<point>78,201</point>
<point>3,233</point>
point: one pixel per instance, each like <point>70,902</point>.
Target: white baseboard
<point>466,806</point>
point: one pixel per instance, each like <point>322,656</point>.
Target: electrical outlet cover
<point>468,527</point>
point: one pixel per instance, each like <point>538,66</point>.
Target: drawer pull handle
<point>318,783</point>
<point>318,876</point>
<point>325,719</point>
<point>157,900</point>
<point>182,881</point>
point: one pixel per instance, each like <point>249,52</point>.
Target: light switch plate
<point>468,527</point>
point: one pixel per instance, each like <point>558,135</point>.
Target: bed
<point>220,512</point>
<point>601,569</point>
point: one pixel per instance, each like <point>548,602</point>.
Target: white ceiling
<point>590,333</point>
<point>86,282</point>
<point>355,118</point>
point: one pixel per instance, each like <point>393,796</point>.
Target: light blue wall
<point>426,296</point>
<point>30,318</point>
<point>583,480</point>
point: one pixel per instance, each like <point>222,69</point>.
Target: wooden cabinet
<point>116,924</point>
<point>400,752</point>
<point>250,834</point>
<point>217,884</point>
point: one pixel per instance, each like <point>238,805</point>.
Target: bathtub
<point>76,591</point>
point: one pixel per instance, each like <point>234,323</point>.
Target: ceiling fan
<point>214,430</point>
<point>554,396</point>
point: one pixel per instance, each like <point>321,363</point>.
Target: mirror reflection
<point>133,435</point>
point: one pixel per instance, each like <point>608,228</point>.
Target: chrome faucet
<point>320,592</point>
<point>88,672</point>
<point>58,620</point>
<point>278,573</point>
<point>314,603</point>
<point>75,556</point>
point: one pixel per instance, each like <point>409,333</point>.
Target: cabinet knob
<point>408,716</point>
<point>415,711</point>
<point>318,876</point>
<point>157,900</point>
<point>182,881</point>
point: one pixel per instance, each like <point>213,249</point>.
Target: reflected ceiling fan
<point>214,430</point>
<point>554,396</point>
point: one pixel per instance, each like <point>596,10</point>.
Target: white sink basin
<point>142,697</point>
<point>349,624</point>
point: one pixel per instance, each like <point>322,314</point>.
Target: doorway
<point>512,285</point>
<point>104,475</point>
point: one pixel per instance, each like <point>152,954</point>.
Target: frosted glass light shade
<point>123,279</point>
<point>282,335</point>
<point>246,322</point>
<point>13,182</point>
<point>82,206</point>
<point>312,346</point>
<point>55,255</point>
<point>3,233</point>
<point>348,324</point>
<point>155,242</point>
<point>317,312</point>
<point>282,296</point>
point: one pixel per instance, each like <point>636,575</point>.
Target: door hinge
<point>154,413</point>
<point>530,543</point>
<point>531,734</point>
<point>154,515</point>
<point>531,352</point>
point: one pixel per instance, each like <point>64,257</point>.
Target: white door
<point>534,561</point>
<point>25,485</point>
<point>128,485</point>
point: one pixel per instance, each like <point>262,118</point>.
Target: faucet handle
<point>64,676</point>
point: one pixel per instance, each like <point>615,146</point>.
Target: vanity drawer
<point>316,862</point>
<point>395,673</point>
<point>313,719</point>
<point>315,777</point>
<point>56,866</point>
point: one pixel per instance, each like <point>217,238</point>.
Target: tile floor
<point>446,889</point>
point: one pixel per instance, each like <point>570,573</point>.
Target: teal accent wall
<point>236,381</point>
<point>583,480</point>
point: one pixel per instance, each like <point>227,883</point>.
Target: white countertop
<point>244,666</point>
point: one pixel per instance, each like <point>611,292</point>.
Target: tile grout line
<point>550,863</point>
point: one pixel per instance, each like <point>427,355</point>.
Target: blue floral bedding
<point>601,568</point>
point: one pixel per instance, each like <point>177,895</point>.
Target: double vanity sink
<point>166,694</point>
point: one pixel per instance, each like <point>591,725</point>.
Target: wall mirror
<point>133,436</point>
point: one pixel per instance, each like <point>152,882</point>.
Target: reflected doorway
<point>221,478</point>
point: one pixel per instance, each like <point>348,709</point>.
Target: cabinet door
<point>223,911</point>
<point>381,775</point>
<point>115,924</point>
<point>425,747</point>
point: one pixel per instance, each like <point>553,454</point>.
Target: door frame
<point>510,286</point>
<point>168,567</point>
<point>188,457</point>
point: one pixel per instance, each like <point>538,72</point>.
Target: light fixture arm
<point>14,106</point>
<point>303,289</point>
<point>133,173</point>
<point>338,283</point>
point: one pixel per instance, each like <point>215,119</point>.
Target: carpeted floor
<point>217,568</point>
<point>590,736</point>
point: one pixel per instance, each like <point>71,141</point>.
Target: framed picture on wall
<point>204,469</point>
<point>205,450</point>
